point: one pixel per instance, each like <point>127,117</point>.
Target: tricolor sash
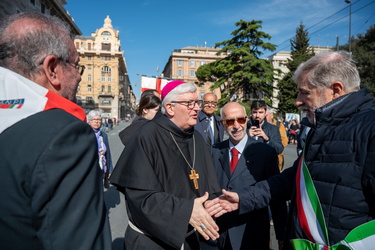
<point>311,219</point>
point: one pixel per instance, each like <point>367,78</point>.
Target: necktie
<point>211,133</point>
<point>234,160</point>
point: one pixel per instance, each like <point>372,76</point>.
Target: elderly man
<point>50,182</point>
<point>239,162</point>
<point>166,174</point>
<point>209,124</point>
<point>332,184</point>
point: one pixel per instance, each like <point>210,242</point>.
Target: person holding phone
<point>259,129</point>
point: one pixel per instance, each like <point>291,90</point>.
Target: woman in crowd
<point>94,118</point>
<point>149,106</point>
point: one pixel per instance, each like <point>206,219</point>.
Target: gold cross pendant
<point>194,176</point>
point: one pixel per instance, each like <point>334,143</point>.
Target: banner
<point>153,83</point>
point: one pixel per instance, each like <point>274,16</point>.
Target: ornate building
<point>183,63</point>
<point>105,84</point>
<point>49,7</point>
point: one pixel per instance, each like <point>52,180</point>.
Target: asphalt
<point>115,201</point>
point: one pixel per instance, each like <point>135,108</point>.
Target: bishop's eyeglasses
<point>190,104</point>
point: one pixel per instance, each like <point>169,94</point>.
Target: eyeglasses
<point>240,120</point>
<point>96,120</point>
<point>79,68</point>
<point>206,103</point>
<point>189,104</point>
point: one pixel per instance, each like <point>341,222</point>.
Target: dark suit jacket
<point>257,162</point>
<point>108,156</point>
<point>202,125</point>
<point>50,185</point>
<point>272,131</point>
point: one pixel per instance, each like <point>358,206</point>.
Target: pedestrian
<point>208,123</point>
<point>239,162</point>
<point>332,183</point>
<point>149,106</point>
<point>283,135</point>
<point>260,130</point>
<point>166,173</point>
<point>50,188</point>
<point>294,130</point>
<point>94,118</point>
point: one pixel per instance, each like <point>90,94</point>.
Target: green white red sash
<point>20,98</point>
<point>311,218</point>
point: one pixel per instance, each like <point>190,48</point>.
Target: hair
<point>180,89</point>
<point>149,101</point>
<point>92,114</point>
<point>325,68</point>
<point>23,49</point>
<point>258,104</point>
<point>148,92</point>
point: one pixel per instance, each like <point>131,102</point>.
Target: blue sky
<point>151,29</point>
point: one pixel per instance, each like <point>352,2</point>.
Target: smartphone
<point>255,123</point>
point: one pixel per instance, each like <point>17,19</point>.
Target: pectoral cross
<point>194,176</point>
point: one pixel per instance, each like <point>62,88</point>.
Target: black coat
<point>340,155</point>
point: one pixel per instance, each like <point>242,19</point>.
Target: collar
<point>240,146</point>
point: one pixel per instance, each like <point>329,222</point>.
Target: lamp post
<point>350,24</point>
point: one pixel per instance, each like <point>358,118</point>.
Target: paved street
<point>115,201</point>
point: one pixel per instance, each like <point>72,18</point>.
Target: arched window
<point>106,69</point>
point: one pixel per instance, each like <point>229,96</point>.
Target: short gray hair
<point>180,89</point>
<point>22,50</point>
<point>325,68</point>
<point>92,114</point>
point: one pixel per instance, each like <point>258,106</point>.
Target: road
<point>115,201</point>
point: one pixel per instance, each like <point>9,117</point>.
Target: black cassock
<point>155,178</point>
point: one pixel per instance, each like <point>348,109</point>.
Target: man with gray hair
<point>332,184</point>
<point>50,187</point>
<point>166,173</point>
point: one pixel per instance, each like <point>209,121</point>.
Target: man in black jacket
<point>332,184</point>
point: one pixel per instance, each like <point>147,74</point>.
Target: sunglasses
<point>240,120</point>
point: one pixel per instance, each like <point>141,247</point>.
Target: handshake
<point>201,217</point>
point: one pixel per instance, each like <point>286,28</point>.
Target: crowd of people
<point>192,178</point>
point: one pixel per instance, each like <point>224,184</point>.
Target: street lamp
<point>350,24</point>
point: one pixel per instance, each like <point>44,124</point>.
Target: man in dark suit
<point>50,186</point>
<point>239,162</point>
<point>208,124</point>
<point>264,131</point>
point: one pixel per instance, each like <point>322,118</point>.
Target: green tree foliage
<point>363,49</point>
<point>300,52</point>
<point>242,68</point>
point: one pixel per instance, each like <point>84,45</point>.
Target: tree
<point>363,49</point>
<point>243,69</point>
<point>300,52</point>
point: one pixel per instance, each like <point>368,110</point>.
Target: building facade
<point>105,84</point>
<point>183,63</point>
<point>49,7</point>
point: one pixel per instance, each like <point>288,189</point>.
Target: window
<point>109,79</point>
<point>89,46</point>
<point>109,89</point>
<point>77,45</point>
<point>103,88</point>
<point>180,72</point>
<point>89,79</point>
<point>103,78</point>
<point>89,88</point>
<point>192,73</point>
<point>89,69</point>
<point>106,34</point>
<point>89,58</point>
<point>203,63</point>
<point>180,63</point>
<point>192,63</point>
<point>106,101</point>
<point>106,69</point>
<point>89,100</point>
<point>106,58</point>
<point>106,46</point>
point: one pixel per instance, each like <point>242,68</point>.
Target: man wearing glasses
<point>166,173</point>
<point>50,185</point>
<point>239,162</point>
<point>208,123</point>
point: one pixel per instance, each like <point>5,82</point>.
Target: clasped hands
<point>201,217</point>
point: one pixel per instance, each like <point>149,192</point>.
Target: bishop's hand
<point>202,221</point>
<point>227,202</point>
